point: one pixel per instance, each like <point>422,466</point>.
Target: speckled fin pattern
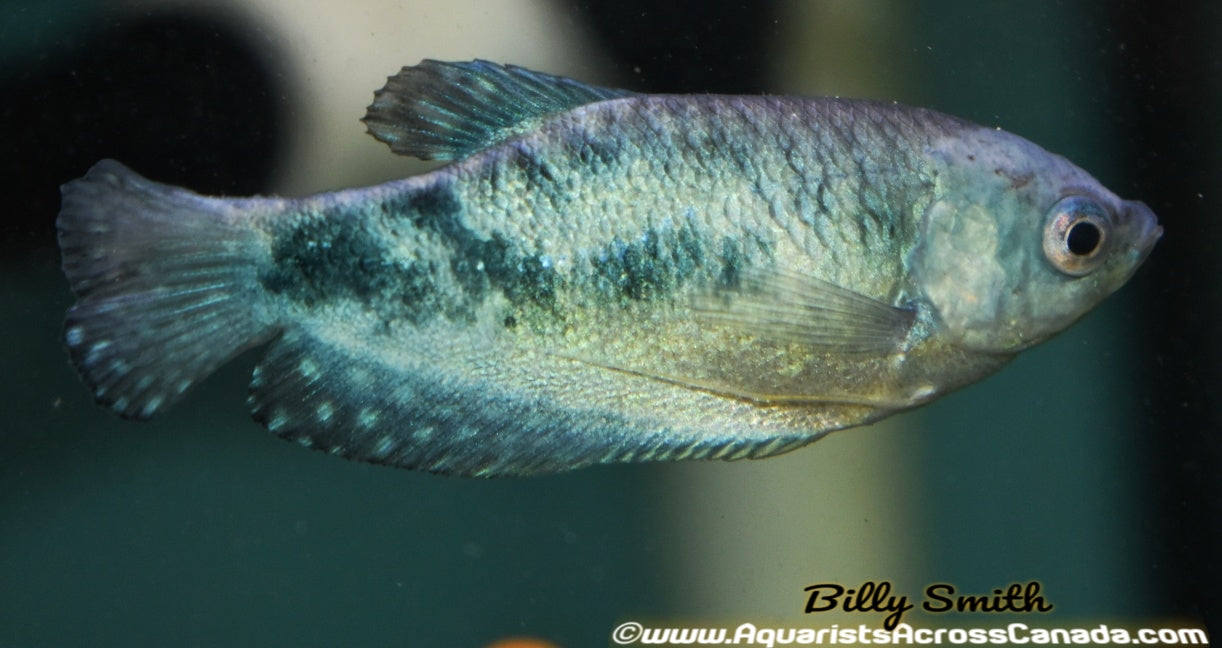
<point>325,398</point>
<point>446,111</point>
<point>334,399</point>
<point>160,275</point>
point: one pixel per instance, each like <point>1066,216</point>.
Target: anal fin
<point>332,398</point>
<point>506,415</point>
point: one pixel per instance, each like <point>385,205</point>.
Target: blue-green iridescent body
<point>599,276</point>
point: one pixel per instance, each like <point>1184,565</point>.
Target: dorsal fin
<point>439,110</point>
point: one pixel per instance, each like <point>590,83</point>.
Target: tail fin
<point>166,285</point>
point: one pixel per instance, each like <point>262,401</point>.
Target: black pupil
<point>1083,238</point>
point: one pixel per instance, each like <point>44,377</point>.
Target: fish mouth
<point>1145,228</point>
<point>1143,231</point>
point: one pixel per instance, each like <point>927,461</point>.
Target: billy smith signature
<point>939,597</point>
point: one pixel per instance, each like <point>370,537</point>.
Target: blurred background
<point>1091,464</point>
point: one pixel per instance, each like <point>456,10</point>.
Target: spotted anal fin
<point>357,403</point>
<point>338,400</point>
<point>789,307</point>
<point>446,111</point>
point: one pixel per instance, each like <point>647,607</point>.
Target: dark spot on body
<point>480,265</point>
<point>821,198</point>
<point>435,201</point>
<point>543,181</point>
<point>538,172</point>
<point>597,154</point>
<point>417,290</point>
<point>1017,181</point>
<point>731,265</point>
<point>324,257</point>
<point>321,258</point>
<point>643,272</point>
<point>1020,181</point>
<point>653,265</point>
<point>528,282</point>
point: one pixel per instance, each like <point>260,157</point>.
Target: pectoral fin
<point>788,307</point>
<point>505,414</point>
<point>771,338</point>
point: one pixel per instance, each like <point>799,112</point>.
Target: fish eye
<point>1076,234</point>
<point>1083,238</point>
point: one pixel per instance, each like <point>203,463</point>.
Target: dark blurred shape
<point>186,98</point>
<point>717,46</point>
<point>1171,76</point>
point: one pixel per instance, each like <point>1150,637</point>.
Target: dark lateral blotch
<point>319,259</point>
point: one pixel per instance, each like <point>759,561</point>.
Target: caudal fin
<point>166,285</point>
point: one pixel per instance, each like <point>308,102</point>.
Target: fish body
<point>598,275</point>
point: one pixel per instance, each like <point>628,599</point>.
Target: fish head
<point>1017,243</point>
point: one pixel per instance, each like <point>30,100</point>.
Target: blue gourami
<point>598,275</point>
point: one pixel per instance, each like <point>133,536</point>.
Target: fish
<point>595,275</point>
